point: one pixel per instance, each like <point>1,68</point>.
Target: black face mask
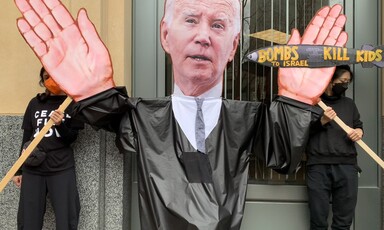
<point>339,88</point>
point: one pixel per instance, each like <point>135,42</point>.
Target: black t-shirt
<point>56,142</point>
<point>330,144</point>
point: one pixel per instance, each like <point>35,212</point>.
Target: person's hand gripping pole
<point>360,142</point>
<point>31,147</point>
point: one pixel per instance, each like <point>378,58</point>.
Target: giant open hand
<point>307,84</point>
<point>71,51</point>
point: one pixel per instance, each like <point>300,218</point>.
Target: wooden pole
<point>360,142</point>
<point>31,147</point>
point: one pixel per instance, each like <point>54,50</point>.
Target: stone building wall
<point>99,169</point>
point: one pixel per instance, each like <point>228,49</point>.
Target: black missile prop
<point>317,56</point>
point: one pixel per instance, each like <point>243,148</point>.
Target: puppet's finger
<point>46,16</point>
<point>321,24</point>
<point>40,8</point>
<point>325,31</point>
<point>335,41</point>
<point>22,5</point>
<point>89,32</point>
<point>338,30</point>
<point>91,37</point>
<point>335,11</point>
<point>34,17</point>
<point>342,39</point>
<point>34,41</point>
<point>333,32</point>
<point>28,12</point>
<point>310,35</point>
<point>340,21</point>
<point>59,12</point>
<point>333,18</point>
<point>51,23</point>
<point>313,28</point>
<point>43,32</point>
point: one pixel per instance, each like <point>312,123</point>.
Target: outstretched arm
<point>70,50</point>
<point>307,84</point>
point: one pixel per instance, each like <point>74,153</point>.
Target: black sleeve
<point>69,128</point>
<point>27,125</point>
<point>27,132</point>
<point>104,110</point>
<point>316,126</point>
<point>357,123</point>
<point>67,134</point>
<point>260,142</point>
<point>289,121</point>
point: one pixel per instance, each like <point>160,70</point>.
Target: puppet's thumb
<point>295,38</point>
<point>88,31</point>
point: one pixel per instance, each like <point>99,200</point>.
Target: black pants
<point>339,182</point>
<point>64,197</point>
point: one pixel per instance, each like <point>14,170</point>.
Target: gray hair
<point>169,9</point>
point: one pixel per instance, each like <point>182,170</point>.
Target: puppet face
<point>201,36</point>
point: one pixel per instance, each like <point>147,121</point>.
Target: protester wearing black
<point>50,169</point>
<point>332,174</point>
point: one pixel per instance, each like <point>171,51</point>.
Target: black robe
<point>180,188</point>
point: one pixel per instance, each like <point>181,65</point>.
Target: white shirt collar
<point>214,92</point>
<point>184,109</point>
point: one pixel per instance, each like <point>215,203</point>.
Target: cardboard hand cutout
<point>71,51</point>
<point>307,84</point>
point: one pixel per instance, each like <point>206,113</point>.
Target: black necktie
<point>199,126</point>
